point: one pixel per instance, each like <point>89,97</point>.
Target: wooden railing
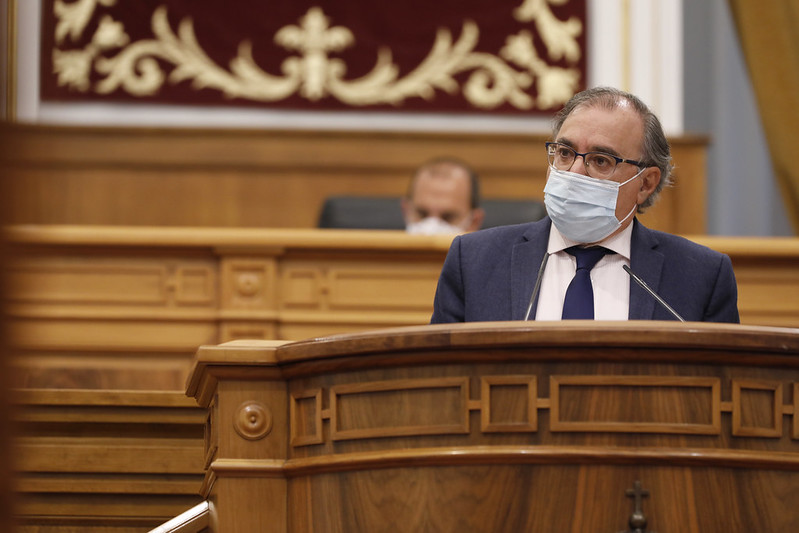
<point>150,296</point>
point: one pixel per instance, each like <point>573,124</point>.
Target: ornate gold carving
<point>253,420</point>
<point>73,17</point>
<point>313,74</point>
<point>74,66</point>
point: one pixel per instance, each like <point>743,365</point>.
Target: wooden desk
<point>504,427</point>
<point>98,307</point>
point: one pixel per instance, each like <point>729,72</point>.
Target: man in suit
<point>608,161</point>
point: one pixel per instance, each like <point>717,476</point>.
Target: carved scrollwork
<point>492,79</point>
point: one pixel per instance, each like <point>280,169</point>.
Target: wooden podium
<point>504,427</point>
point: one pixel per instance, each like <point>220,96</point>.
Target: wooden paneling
<point>111,461</point>
<point>106,307</point>
<point>275,179</point>
<point>697,413</point>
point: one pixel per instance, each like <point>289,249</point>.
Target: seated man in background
<point>608,160</point>
<point>443,197</point>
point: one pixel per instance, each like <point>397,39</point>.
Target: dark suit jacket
<point>489,275</point>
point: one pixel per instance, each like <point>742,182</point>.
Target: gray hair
<point>655,150</point>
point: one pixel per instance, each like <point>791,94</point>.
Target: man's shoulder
<point>670,243</point>
<point>511,233</point>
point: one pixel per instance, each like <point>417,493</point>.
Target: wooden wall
<point>275,179</point>
<point>96,307</point>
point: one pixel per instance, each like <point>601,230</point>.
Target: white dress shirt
<point>611,283</point>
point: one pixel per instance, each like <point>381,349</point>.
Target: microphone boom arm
<point>537,286</point>
<point>652,293</point>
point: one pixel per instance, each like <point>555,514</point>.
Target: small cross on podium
<point>637,518</point>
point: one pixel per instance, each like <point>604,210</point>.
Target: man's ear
<point>478,215</point>
<point>649,182</point>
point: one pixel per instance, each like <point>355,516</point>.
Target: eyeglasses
<point>598,165</point>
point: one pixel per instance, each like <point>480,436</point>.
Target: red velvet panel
<point>317,55</point>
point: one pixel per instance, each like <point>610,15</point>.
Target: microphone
<point>537,286</point>
<point>654,295</point>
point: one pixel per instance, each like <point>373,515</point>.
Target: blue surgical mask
<point>583,208</point>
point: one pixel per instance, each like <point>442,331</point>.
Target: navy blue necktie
<point>579,301</point>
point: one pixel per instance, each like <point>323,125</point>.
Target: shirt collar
<point>619,243</point>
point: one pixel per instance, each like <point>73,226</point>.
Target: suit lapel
<point>647,263</point>
<point>526,258</point>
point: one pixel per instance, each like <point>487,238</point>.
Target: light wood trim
<point>268,242</point>
<point>112,398</point>
<point>69,307</point>
<point>721,340</point>
<point>517,455</point>
<point>273,241</point>
<point>194,520</point>
<point>107,459</point>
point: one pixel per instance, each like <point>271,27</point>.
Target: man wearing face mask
<point>443,198</point>
<point>608,160</point>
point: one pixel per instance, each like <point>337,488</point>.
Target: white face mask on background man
<point>582,208</point>
<point>436,226</point>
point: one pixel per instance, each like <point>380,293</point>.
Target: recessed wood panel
<point>305,417</point>
<point>636,404</point>
<point>88,283</point>
<point>384,409</point>
<point>404,288</point>
<point>508,404</point>
<point>757,408</point>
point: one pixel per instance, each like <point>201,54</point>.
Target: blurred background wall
<point>682,58</point>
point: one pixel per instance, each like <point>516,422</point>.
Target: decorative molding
<point>305,418</point>
<point>389,404</point>
<point>740,428</point>
<point>371,404</point>
<point>253,420</point>
<point>115,283</point>
<point>680,387</point>
<point>494,79</point>
<point>527,397</point>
